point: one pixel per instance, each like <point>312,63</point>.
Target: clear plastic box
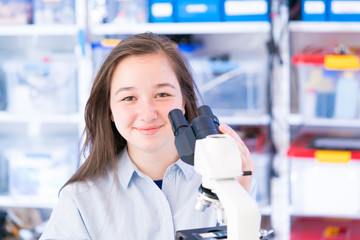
<point>232,88</point>
<point>47,86</point>
<point>324,182</point>
<point>54,12</point>
<point>15,12</point>
<point>127,11</point>
<point>40,167</point>
<point>327,93</point>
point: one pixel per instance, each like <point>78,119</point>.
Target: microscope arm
<point>241,210</point>
<point>218,161</point>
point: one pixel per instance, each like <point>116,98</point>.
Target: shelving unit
<point>323,27</point>
<point>316,34</point>
<point>246,40</point>
<point>181,28</point>
<point>18,41</point>
<point>38,30</point>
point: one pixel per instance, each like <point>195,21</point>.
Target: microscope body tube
<point>218,160</point>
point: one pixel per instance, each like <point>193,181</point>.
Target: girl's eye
<point>162,95</point>
<point>130,98</point>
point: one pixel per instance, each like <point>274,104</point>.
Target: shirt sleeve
<point>65,221</point>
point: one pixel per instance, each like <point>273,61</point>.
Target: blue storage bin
<point>198,10</point>
<point>345,11</point>
<point>314,10</point>
<point>161,11</point>
<point>246,10</point>
<point>54,12</point>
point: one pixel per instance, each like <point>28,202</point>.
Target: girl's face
<point>144,89</point>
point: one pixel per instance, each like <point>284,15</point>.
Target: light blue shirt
<point>130,206</point>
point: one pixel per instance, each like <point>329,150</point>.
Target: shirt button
<point>170,176</point>
<point>165,219</point>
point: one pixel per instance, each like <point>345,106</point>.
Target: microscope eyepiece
<point>205,110</point>
<point>185,134</point>
<point>203,126</point>
<point>177,120</point>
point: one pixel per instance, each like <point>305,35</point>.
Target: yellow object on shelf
<point>326,156</point>
<point>341,62</point>
<point>109,42</point>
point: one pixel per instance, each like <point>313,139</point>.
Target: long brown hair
<point>102,140</point>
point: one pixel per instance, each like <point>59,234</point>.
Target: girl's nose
<point>148,112</point>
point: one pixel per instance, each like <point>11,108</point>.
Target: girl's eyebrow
<point>160,85</point>
<point>123,89</point>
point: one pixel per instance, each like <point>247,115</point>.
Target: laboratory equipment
<point>217,159</point>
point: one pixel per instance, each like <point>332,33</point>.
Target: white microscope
<point>217,159</point>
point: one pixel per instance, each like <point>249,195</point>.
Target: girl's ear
<point>183,107</point>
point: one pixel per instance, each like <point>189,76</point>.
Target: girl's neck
<point>153,163</point>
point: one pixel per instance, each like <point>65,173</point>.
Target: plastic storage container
<point>344,10</point>
<point>328,86</point>
<point>54,12</point>
<point>41,166</point>
<point>325,229</point>
<point>127,11</point>
<point>161,11</point>
<point>314,10</point>
<point>325,179</point>
<point>47,86</point>
<point>232,88</point>
<point>198,10</point>
<point>15,12</point>
<point>246,10</point>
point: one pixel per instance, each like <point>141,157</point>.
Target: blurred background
<point>284,74</point>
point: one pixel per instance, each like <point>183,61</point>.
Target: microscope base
<point>210,233</point>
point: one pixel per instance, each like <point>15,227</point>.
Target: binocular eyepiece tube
<point>186,134</point>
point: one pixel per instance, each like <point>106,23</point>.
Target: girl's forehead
<point>144,70</point>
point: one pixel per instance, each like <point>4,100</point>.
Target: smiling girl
<point>133,184</point>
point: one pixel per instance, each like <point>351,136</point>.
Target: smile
<point>148,130</point>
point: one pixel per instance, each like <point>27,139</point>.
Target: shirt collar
<point>126,169</point>
<point>187,169</point>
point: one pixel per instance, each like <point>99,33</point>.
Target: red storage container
<point>325,176</point>
<point>325,229</point>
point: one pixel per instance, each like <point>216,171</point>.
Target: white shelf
<point>298,213</point>
<point>53,118</point>
<point>297,119</point>
<point>38,30</point>
<point>246,120</point>
<point>182,28</point>
<point>28,201</point>
<point>324,27</point>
